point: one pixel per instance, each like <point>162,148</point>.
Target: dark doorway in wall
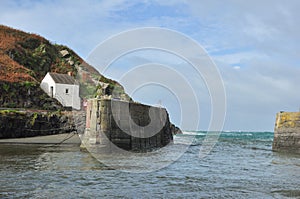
<point>51,91</point>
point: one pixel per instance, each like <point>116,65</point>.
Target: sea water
<point>241,165</point>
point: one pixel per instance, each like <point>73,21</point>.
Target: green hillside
<point>26,58</point>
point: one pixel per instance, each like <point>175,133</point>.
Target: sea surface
<point>241,165</point>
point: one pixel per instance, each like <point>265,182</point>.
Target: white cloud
<point>237,67</point>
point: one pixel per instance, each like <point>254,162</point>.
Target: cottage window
<point>67,91</point>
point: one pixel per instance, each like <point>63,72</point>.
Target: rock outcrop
<point>287,132</point>
<point>21,124</point>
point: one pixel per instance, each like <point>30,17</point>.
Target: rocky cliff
<point>24,123</point>
<point>287,132</point>
<point>17,123</point>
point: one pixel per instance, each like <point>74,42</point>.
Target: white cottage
<point>64,88</point>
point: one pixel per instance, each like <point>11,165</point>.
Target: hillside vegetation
<point>26,58</point>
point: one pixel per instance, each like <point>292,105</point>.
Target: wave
<point>194,133</point>
<point>196,137</point>
<point>188,139</point>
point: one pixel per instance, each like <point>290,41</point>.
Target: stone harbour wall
<point>108,123</point>
<point>287,132</point>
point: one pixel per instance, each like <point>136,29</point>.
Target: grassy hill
<point>26,58</point>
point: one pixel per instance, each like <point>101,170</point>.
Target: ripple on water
<point>236,168</point>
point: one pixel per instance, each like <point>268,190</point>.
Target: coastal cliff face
<point>21,123</point>
<point>287,132</point>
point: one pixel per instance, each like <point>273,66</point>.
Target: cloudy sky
<point>254,45</point>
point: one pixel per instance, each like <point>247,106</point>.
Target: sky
<point>254,45</point>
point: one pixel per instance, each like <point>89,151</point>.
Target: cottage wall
<point>46,84</point>
<point>70,98</point>
<point>67,99</point>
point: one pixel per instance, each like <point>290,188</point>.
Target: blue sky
<point>255,45</point>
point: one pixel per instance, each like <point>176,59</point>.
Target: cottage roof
<point>62,78</point>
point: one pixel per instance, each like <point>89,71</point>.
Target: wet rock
<point>20,124</point>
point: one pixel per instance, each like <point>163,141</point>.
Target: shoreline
<point>64,138</point>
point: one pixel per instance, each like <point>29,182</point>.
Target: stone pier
<point>127,125</point>
<point>287,132</point>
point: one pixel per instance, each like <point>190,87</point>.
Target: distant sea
<point>241,165</point>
